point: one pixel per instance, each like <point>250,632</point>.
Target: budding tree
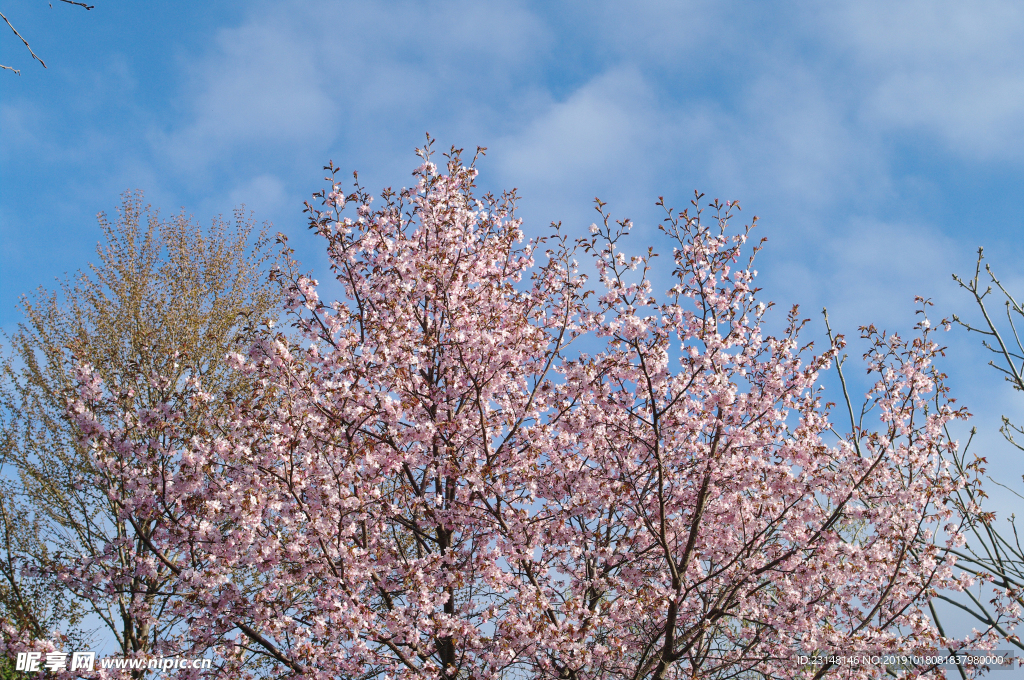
<point>437,483</point>
<point>164,303</point>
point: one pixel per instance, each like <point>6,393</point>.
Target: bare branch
<point>25,42</point>
<point>20,37</point>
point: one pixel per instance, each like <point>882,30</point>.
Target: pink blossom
<point>433,481</point>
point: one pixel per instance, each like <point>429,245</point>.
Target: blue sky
<point>880,143</point>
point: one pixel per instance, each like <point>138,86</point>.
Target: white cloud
<point>943,68</point>
<point>298,76</point>
<point>789,138</point>
<point>263,195</point>
<point>606,125</point>
<point>869,272</point>
<point>20,121</point>
<point>262,87</point>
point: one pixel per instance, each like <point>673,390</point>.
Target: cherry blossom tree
<point>438,481</point>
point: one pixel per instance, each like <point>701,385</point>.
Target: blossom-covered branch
<point>437,480</point>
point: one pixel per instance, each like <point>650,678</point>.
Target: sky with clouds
<point>879,143</point>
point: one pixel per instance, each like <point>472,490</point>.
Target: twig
<point>34,55</point>
<point>25,42</point>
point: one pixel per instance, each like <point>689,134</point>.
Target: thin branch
<point>20,37</point>
<point>25,42</point>
<point>842,380</point>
